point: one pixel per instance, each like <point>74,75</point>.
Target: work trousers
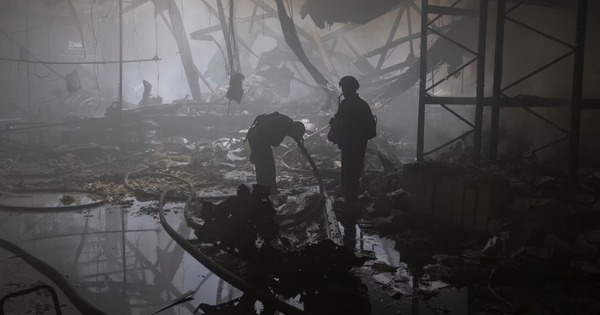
<point>264,163</point>
<point>353,159</point>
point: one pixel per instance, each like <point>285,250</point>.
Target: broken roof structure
<point>126,162</point>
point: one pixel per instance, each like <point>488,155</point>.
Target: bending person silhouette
<point>269,130</point>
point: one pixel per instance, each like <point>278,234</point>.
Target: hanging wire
<point>140,73</point>
<point>109,10</point>
<point>18,78</point>
<point>38,75</point>
<point>48,36</point>
<point>133,33</point>
<point>156,55</point>
<point>102,17</point>
<point>10,67</point>
<point>93,29</point>
<point>49,57</point>
<point>94,44</point>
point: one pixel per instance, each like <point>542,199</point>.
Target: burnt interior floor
<point>97,223</point>
<point>126,185</point>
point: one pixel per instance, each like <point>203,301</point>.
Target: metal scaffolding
<point>500,98</point>
<point>576,102</point>
<point>426,86</point>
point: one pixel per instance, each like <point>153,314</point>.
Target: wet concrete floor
<point>123,262</point>
<point>403,292</point>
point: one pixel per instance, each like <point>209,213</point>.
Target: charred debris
<point>480,193</point>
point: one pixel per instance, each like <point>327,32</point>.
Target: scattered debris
<point>67,199</point>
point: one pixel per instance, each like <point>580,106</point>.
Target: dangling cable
<point>133,33</point>
<point>156,55</point>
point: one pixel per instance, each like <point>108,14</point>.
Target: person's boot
<point>351,213</point>
<point>349,238</point>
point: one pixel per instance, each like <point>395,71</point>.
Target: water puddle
<point>406,290</point>
<point>123,262</point>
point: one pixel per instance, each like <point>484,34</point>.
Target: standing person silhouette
<point>268,131</point>
<point>351,128</point>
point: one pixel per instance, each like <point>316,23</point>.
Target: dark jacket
<point>270,129</point>
<point>353,118</point>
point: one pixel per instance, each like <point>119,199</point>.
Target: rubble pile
<point>244,227</point>
<point>540,234</point>
<point>543,234</point>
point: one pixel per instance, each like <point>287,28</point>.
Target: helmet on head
<point>349,82</point>
<point>297,130</point>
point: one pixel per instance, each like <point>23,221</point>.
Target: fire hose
<point>78,301</point>
<point>214,267</point>
<point>304,214</point>
<point>298,217</point>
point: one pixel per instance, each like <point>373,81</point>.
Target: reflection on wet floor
<point>96,250</point>
<point>406,290</point>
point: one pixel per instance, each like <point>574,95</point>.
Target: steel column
<point>422,81</point>
<point>29,109</point>
<point>480,80</point>
<point>120,104</point>
<point>497,88</point>
<point>576,95</point>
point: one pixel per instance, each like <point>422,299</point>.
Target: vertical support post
<point>29,109</point>
<point>483,8</point>
<point>497,89</point>
<point>120,105</point>
<point>576,94</point>
<point>422,81</point>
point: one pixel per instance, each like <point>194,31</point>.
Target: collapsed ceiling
<point>327,12</point>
